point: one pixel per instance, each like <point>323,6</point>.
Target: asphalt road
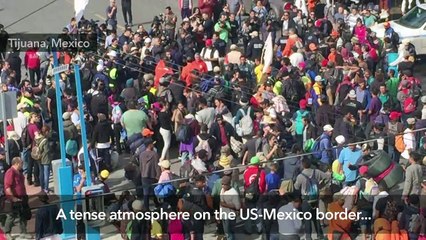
<point>50,16</point>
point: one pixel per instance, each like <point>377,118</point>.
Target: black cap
<point>148,141</point>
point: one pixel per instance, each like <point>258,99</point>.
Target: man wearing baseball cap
<point>325,147</point>
<point>210,55</point>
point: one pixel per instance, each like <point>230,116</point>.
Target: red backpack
<point>409,105</point>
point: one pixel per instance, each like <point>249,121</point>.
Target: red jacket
<point>32,60</point>
<point>206,6</point>
<point>250,175</point>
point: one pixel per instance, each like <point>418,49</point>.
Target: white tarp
<point>268,53</point>
<point>79,6</point>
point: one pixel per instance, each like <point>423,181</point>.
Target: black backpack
<point>252,192</point>
<point>184,134</point>
<point>25,137</point>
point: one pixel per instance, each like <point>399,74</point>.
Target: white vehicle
<point>410,26</point>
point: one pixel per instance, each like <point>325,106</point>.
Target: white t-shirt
<point>230,197</point>
<point>289,226</point>
<point>206,54</point>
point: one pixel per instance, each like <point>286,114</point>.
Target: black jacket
<point>46,223</point>
<point>177,88</point>
<point>254,48</point>
<point>102,133</point>
<point>215,132</point>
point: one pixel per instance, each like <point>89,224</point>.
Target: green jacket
<point>223,32</point>
<point>43,145</point>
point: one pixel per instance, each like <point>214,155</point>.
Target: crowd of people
<point>335,122</point>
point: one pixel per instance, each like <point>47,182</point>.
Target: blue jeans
<point>148,191</point>
<point>25,157</point>
<point>228,228</point>
<point>44,176</point>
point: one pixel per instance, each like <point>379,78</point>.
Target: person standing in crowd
<point>111,15</point>
<point>413,176</point>
<point>325,147</point>
<point>290,229</point>
<point>170,20</point>
<point>165,123</point>
<point>32,64</point>
<point>150,172</point>
<point>134,120</point>
<point>185,7</point>
<point>33,165</point>
<point>310,202</point>
<point>46,153</point>
<point>348,157</point>
<point>253,173</point>
<point>14,187</point>
<point>127,12</point>
<point>46,222</point>
<point>229,202</point>
<point>102,140</point>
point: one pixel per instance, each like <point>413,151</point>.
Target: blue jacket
<point>325,147</point>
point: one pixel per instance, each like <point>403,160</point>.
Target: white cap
<point>327,128</point>
<point>340,139</point>
<point>147,40</point>
<point>318,78</point>
<point>112,53</point>
<point>99,68</point>
<point>352,94</point>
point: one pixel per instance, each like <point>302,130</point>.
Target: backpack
<point>316,152</point>
<point>409,105</point>
<point>395,38</point>
<point>71,147</point>
<point>99,102</point>
<point>312,189</point>
<point>399,143</point>
<point>164,190</point>
<point>184,134</point>
<point>245,127</point>
<point>36,150</point>
<point>204,144</point>
<point>371,189</point>
<point>166,94</point>
<point>25,137</point>
<point>206,84</point>
<point>116,114</point>
<point>252,192</point>
<point>236,146</point>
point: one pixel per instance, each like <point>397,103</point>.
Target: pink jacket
<point>32,60</point>
<point>361,33</point>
